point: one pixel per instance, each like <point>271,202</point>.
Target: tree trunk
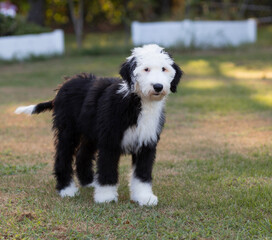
<point>77,20</point>
<point>36,12</point>
<point>126,21</point>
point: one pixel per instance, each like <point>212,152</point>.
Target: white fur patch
<point>104,194</point>
<point>28,110</point>
<point>151,60</point>
<point>150,53</point>
<point>141,192</point>
<point>146,129</point>
<point>124,89</point>
<point>69,191</point>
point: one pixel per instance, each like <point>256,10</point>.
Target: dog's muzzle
<point>157,93</point>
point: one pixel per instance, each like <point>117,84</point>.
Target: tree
<point>77,19</point>
<point>36,12</point>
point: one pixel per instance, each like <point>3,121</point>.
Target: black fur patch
<point>127,69</point>
<point>88,117</point>
<point>176,79</point>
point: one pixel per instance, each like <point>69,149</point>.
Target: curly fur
<point>111,116</point>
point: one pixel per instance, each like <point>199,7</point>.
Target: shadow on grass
<point>218,93</point>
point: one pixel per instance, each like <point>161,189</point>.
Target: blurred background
<point>106,23</point>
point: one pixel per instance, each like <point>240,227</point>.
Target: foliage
<point>107,14</point>
<point>226,9</point>
<point>18,26</point>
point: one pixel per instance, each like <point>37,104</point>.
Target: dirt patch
<point>206,138</point>
<point>28,215</point>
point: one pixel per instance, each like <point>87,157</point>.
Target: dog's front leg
<point>141,178</point>
<point>107,175</point>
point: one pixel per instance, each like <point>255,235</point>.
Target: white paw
<point>141,192</point>
<point>104,194</point>
<point>69,191</point>
<point>146,200</point>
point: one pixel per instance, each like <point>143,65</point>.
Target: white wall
<point>195,33</point>
<point>24,46</point>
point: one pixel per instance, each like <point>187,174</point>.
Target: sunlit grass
<point>203,84</point>
<point>227,69</point>
<point>264,98</point>
<point>230,69</point>
<point>198,67</point>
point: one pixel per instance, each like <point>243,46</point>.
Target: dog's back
<point>71,95</point>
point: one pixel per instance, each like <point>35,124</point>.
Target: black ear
<point>176,79</point>
<point>127,69</point>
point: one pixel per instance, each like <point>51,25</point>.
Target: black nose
<point>157,87</point>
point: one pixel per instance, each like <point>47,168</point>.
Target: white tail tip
<point>28,110</point>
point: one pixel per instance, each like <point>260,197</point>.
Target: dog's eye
<point>147,70</point>
<point>163,69</point>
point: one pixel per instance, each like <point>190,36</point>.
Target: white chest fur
<point>146,129</point>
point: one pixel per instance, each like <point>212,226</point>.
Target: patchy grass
<point>213,172</point>
<point>7,169</point>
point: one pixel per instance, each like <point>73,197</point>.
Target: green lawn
<point>213,172</point>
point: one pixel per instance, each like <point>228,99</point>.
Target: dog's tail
<point>35,109</point>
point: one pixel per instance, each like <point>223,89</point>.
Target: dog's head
<point>151,72</point>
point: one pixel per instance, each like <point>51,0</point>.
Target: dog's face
<point>151,72</point>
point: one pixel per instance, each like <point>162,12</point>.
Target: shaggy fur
<point>111,116</point>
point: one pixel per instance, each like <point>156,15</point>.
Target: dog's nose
<point>158,87</point>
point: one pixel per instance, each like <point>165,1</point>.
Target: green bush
<point>18,26</point>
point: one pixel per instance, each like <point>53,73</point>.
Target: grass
<point>213,172</point>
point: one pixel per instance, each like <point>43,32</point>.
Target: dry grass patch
<point>208,137</point>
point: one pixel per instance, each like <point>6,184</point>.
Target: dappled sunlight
<point>229,69</point>
<point>226,69</point>
<point>251,74</point>
<point>265,99</point>
<point>203,84</point>
<point>198,67</point>
<point>222,94</point>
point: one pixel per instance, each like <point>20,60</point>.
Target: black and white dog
<point>111,116</point>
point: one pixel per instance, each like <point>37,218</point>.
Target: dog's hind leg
<point>84,163</point>
<point>63,170</point>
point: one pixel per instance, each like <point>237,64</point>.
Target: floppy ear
<point>127,69</point>
<point>176,78</point>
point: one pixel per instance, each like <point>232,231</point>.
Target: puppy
<point>111,117</point>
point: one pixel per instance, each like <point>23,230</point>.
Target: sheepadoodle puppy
<point>107,117</point>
